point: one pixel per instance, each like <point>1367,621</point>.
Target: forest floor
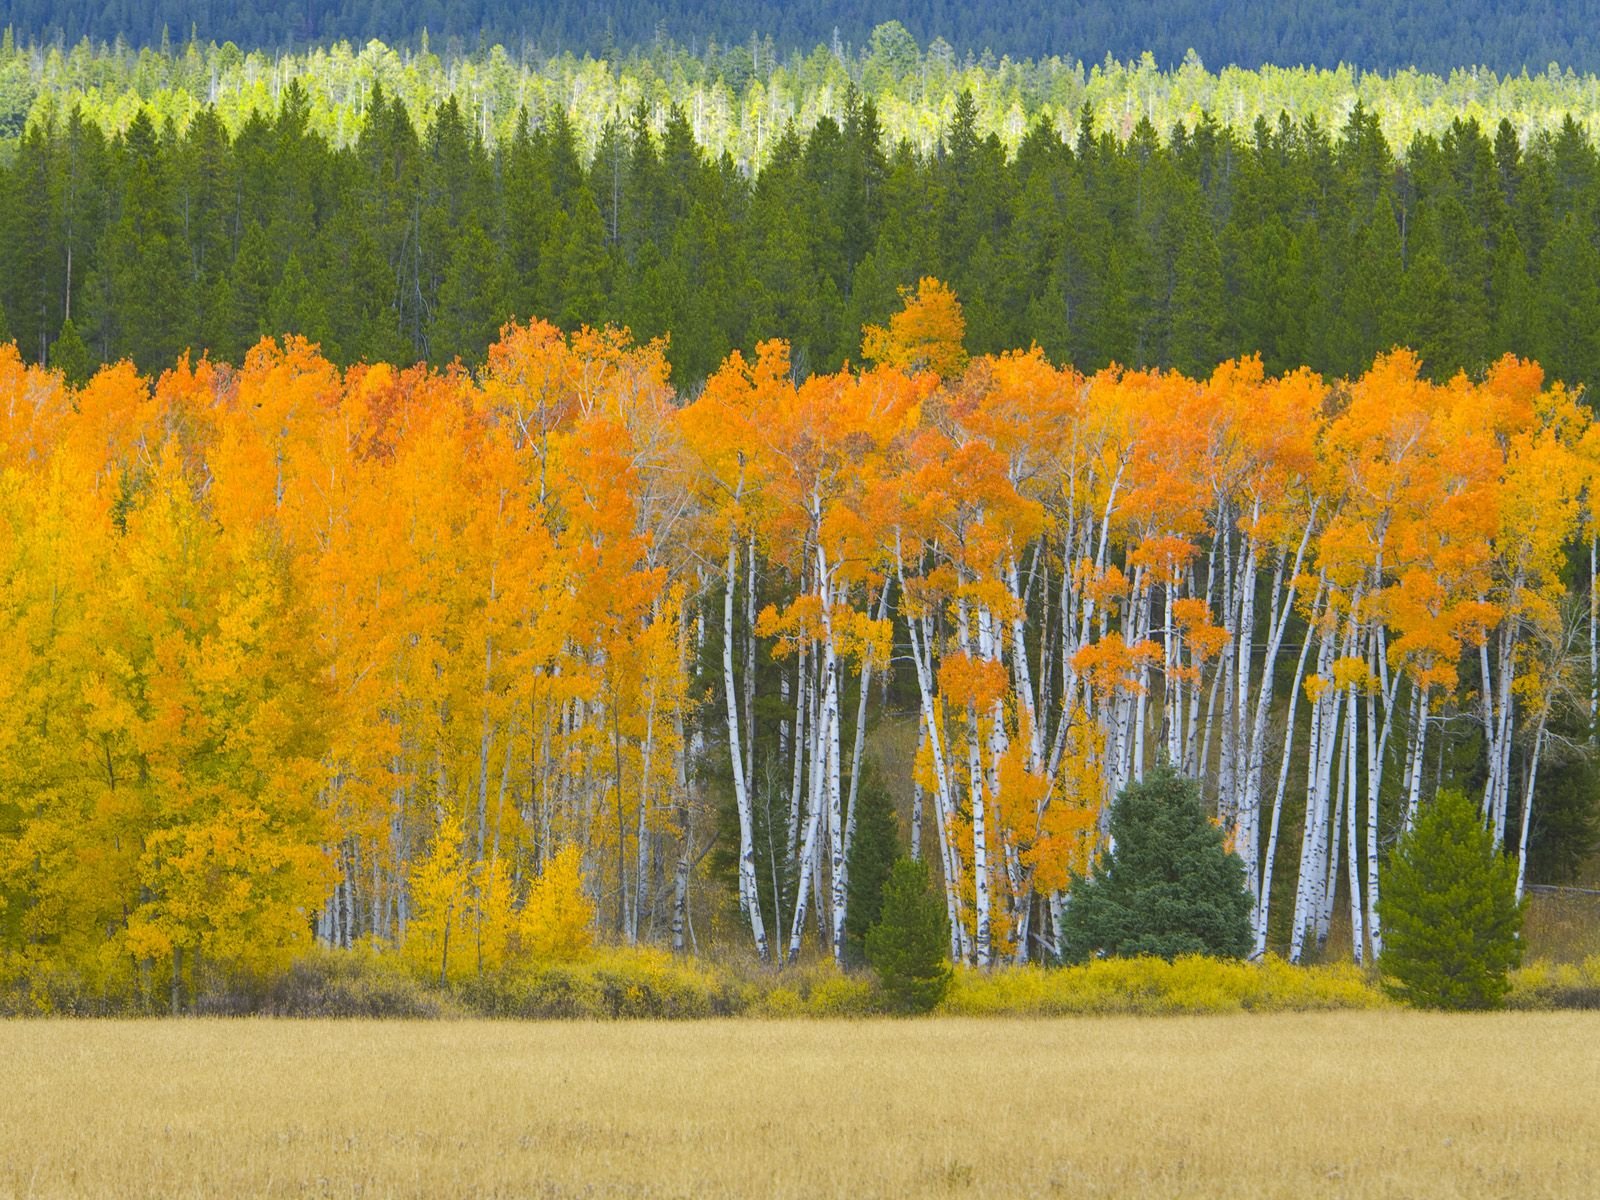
<point>1387,1103</point>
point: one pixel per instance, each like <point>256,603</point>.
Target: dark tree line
<point>1306,245</point>
<point>1508,35</point>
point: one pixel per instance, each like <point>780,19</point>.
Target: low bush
<point>338,983</point>
<point>1191,984</point>
<point>1545,985</point>
<point>818,989</point>
<point>49,990</point>
<point>606,985</point>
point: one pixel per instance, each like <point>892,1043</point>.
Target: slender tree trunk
<point>1527,804</point>
<point>748,898</point>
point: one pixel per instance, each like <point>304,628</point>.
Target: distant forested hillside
<point>1507,35</point>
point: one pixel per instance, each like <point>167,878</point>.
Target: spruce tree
<point>70,355</point>
<point>1169,887</point>
<point>872,855</point>
<point>1450,911</point>
<point>909,945</point>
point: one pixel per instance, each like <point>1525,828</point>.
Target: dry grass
<point>1331,1104</point>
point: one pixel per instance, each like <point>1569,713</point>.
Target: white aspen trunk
<point>784,731</point>
<point>1313,846</point>
<point>1416,744</point>
<point>1264,894</point>
<point>1486,706</point>
<point>1502,776</point>
<point>855,761</point>
<point>749,900</point>
<point>916,799</point>
<point>802,712</point>
<point>1023,681</point>
<point>942,797</point>
<point>1208,727</point>
<point>1374,787</point>
<point>1352,783</point>
<point>1527,804</point>
<point>1046,674</point>
<point>1227,729</point>
<point>1278,615</point>
<point>835,821</point>
<point>1138,625</point>
<point>922,659</point>
<point>641,879</point>
<point>804,882</point>
<point>810,872</point>
<point>1244,645</point>
<point>1594,637</point>
<point>830,728</point>
<point>1171,693</point>
<point>975,791</point>
<point>750,676</point>
<point>1377,752</point>
<point>1330,869</point>
<point>1193,760</point>
<point>680,874</point>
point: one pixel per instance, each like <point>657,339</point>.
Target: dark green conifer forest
<point>1178,247</point>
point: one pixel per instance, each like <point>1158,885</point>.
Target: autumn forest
<point>776,523</point>
<point>300,654</point>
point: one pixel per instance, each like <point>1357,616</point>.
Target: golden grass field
<point>1387,1103</point>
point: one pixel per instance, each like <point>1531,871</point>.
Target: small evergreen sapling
<point>872,857</point>
<point>1169,888</point>
<point>1450,912</point>
<point>909,945</point>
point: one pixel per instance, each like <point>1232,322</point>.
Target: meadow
<point>1347,1104</point>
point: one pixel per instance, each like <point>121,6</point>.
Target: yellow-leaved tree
<point>441,905</point>
<point>558,919</point>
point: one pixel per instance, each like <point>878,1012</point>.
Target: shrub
<point>1190,984</point>
<point>1449,910</point>
<point>819,989</point>
<point>1170,888</point>
<point>1544,985</point>
<point>908,947</point>
<point>344,983</point>
<point>609,984</point>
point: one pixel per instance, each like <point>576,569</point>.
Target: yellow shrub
<point>782,1002</point>
<point>608,983</point>
<point>1152,985</point>
<point>841,996</point>
<point>1544,984</point>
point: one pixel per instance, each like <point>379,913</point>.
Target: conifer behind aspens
<point>909,946</point>
<point>1450,912</point>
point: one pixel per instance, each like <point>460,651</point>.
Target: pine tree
<point>908,947</point>
<point>296,306</point>
<point>1168,888</point>
<point>70,355</point>
<point>1197,302</point>
<point>872,857</point>
<point>1450,911</point>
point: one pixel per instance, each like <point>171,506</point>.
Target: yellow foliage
<point>558,919</point>
<point>1151,985</point>
<point>437,941</point>
<point>925,335</point>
